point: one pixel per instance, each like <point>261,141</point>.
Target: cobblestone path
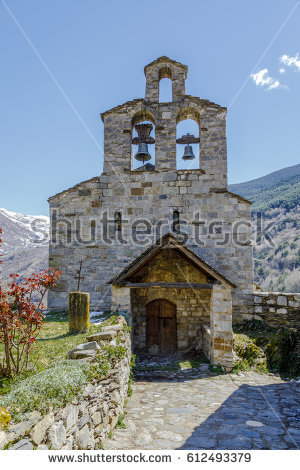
<point>195,409</point>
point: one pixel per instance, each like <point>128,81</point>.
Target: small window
<point>176,222</point>
<point>93,230</point>
<point>165,90</point>
<point>118,221</point>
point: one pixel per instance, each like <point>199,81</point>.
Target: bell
<point>142,154</point>
<point>188,153</point>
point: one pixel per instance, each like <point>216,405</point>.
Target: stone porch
<point>173,275</point>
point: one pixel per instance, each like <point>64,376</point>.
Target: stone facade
<point>147,199</point>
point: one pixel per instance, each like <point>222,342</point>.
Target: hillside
<point>250,188</point>
<point>277,197</point>
<point>25,243</point>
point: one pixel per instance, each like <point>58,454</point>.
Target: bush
<point>280,351</point>
<point>265,348</point>
<point>21,318</point>
<point>246,349</point>
<point>51,388</point>
<point>4,418</point>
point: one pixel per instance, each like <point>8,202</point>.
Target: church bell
<point>188,153</point>
<point>142,154</point>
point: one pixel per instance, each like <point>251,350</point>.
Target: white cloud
<point>291,61</point>
<point>263,79</point>
<point>281,70</point>
<point>275,84</point>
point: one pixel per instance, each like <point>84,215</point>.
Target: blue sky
<point>92,55</point>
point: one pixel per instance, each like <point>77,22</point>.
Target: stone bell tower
<point>120,121</point>
<point>142,203</point>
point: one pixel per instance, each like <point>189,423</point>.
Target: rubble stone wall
<point>276,309</point>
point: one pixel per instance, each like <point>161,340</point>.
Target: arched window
<point>118,221</point>
<point>165,85</point>
<point>176,222</point>
<point>165,90</point>
<point>188,140</point>
<point>143,142</point>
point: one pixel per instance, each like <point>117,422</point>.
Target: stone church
<point>167,244</point>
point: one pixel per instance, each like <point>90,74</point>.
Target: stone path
<point>195,409</point>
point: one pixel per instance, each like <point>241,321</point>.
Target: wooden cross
<point>78,276</point>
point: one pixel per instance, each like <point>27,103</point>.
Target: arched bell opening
<point>143,142</point>
<point>165,85</point>
<point>187,147</point>
<point>188,141</point>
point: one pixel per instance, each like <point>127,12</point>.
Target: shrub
<point>51,388</point>
<point>21,318</point>
<point>246,349</point>
<point>280,351</point>
<point>4,417</point>
<point>107,357</point>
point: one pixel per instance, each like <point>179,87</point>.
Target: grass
<point>51,380</point>
<point>120,423</point>
<point>50,388</point>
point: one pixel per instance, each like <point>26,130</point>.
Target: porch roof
<point>170,241</point>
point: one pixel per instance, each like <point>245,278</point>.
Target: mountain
<point>253,187</point>
<point>277,197</point>
<point>25,243</point>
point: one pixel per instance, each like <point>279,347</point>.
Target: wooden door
<point>161,329</point>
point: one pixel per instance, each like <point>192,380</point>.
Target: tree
<point>21,318</point>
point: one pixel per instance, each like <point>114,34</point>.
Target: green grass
<point>120,423</point>
<point>51,388</point>
<point>51,380</point>
<point>53,342</point>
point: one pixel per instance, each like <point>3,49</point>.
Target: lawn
<point>53,341</point>
<point>51,380</point>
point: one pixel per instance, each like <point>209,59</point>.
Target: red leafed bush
<point>21,318</point>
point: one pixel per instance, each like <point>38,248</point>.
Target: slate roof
<point>175,242</point>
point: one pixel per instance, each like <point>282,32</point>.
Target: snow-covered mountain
<point>25,243</point>
<point>23,231</point>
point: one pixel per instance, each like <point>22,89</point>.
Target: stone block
<point>40,429</point>
<point>70,416</point>
<point>57,435</point>
<point>79,312</point>
<point>281,300</point>
<point>84,350</point>
<point>24,444</point>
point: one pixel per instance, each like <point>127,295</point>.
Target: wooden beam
<point>178,285</point>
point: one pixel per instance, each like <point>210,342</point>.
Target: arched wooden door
<point>161,327</point>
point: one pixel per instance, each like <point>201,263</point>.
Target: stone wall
<point>84,423</point>
<point>206,342</point>
<point>221,327</point>
<point>276,309</point>
<point>103,260</point>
